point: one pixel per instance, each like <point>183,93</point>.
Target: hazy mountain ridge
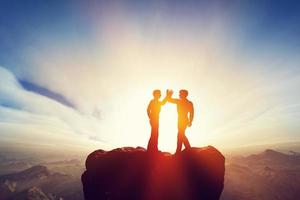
<point>13,163</point>
<point>269,175</point>
<point>38,182</point>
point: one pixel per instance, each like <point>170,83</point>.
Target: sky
<point>79,75</point>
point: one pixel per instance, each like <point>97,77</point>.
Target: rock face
<point>135,174</point>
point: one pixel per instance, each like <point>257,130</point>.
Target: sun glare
<point>168,128</point>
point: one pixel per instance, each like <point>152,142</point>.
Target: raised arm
<point>191,117</point>
<point>169,97</point>
<point>169,94</point>
<point>171,100</point>
<point>164,101</point>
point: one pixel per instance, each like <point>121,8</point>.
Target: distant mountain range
<point>38,182</point>
<point>270,157</point>
<point>269,175</point>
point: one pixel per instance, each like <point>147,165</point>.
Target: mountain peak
<point>134,173</point>
<point>37,171</point>
<point>271,151</point>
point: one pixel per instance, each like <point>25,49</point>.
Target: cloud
<point>23,110</point>
<point>45,92</point>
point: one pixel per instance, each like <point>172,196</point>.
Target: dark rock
<point>134,173</point>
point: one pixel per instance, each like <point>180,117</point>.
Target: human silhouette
<point>153,111</point>
<point>185,110</point>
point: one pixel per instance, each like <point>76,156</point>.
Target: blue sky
<point>92,62</point>
<point>257,25</point>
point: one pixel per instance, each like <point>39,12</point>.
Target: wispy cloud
<point>22,108</point>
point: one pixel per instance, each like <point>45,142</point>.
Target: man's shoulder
<point>153,101</point>
<point>189,102</point>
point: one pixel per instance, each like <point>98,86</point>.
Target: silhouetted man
<point>153,111</point>
<point>185,110</point>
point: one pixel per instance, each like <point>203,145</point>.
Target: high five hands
<point>169,94</point>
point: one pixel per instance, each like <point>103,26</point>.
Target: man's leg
<point>150,142</point>
<point>179,139</point>
<point>186,141</point>
<point>153,141</point>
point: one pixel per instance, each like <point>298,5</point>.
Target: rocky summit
<point>135,174</point>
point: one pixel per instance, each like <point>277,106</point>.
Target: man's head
<point>156,94</point>
<point>183,94</point>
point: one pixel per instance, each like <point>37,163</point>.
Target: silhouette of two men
<point>185,112</point>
